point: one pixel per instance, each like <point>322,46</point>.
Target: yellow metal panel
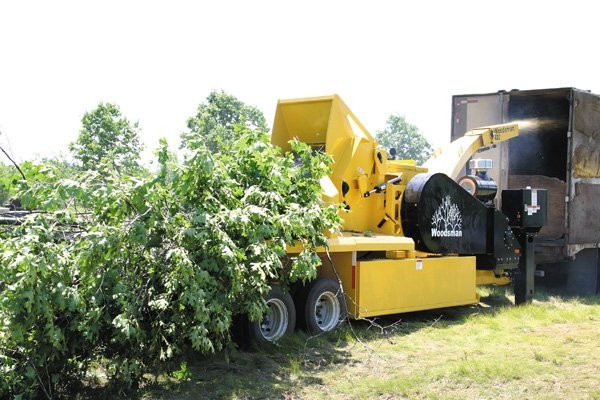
<point>372,243</point>
<point>396,286</point>
<point>485,277</point>
<point>347,241</point>
<point>306,120</point>
<point>397,254</point>
<point>495,133</point>
<point>344,266</point>
<point>323,120</point>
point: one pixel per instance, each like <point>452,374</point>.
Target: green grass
<point>546,350</point>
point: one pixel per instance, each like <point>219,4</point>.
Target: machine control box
<point>525,208</point>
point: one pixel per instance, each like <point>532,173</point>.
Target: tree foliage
<point>9,176</point>
<point>215,122</point>
<point>107,137</point>
<point>11,180</point>
<point>409,143</point>
<point>125,271</point>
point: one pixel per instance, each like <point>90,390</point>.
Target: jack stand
<point>523,278</point>
<point>526,210</point>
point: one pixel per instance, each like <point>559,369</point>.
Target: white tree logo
<point>447,220</point>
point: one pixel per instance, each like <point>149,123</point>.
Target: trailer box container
<point>558,149</point>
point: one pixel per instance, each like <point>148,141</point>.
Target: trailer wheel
<point>279,320</point>
<point>325,307</point>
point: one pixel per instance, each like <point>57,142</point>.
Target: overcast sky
<point>158,60</point>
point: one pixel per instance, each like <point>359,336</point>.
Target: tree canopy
<point>107,137</point>
<point>218,121</point>
<point>405,138</point>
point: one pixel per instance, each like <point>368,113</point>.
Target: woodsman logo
<point>501,130</point>
<point>447,220</point>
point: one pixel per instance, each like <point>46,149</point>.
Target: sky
<point>158,60</point>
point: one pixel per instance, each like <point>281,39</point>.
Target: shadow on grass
<point>263,371</point>
<point>493,299</point>
<point>258,371</point>
<point>547,291</point>
<point>280,371</point>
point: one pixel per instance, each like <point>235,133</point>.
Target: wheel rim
<point>275,322</point>
<point>327,311</point>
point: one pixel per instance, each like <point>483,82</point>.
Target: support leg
<point>524,279</point>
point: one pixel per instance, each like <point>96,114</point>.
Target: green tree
<point>134,270</point>
<point>107,138</point>
<point>405,137</point>
<point>214,124</point>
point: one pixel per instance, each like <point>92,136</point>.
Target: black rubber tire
<point>324,306</point>
<point>280,320</point>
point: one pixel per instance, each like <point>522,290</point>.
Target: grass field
<point>547,350</point>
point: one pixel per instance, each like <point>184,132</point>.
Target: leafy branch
<point>126,271</point>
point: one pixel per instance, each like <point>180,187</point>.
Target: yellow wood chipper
<point>413,238</point>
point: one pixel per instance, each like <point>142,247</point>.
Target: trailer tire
<point>324,306</point>
<point>279,320</point>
